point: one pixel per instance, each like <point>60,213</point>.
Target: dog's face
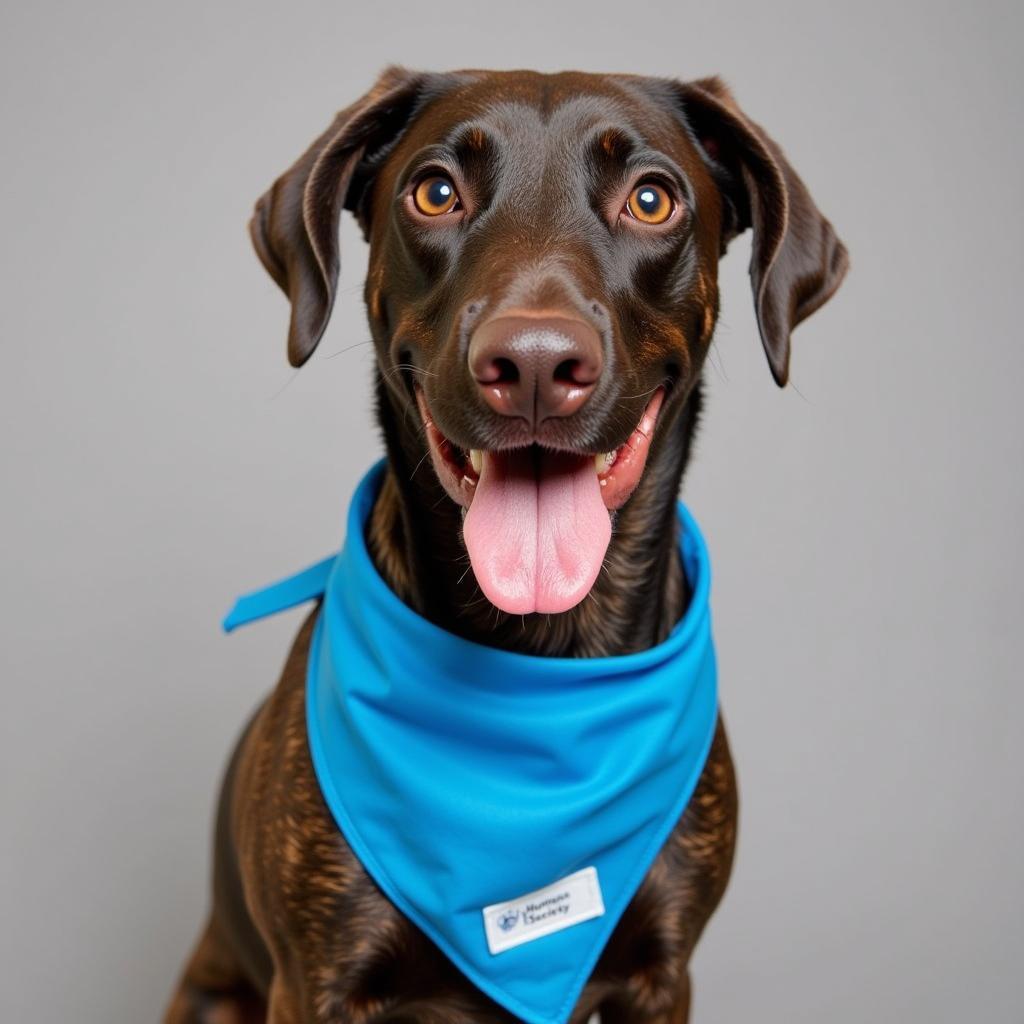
<point>542,285</point>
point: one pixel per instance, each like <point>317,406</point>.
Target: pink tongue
<point>536,530</point>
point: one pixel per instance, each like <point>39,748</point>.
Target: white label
<point>569,901</point>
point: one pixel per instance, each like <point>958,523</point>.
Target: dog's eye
<point>435,195</point>
<point>649,203</point>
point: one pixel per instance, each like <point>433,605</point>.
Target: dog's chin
<point>537,521</point>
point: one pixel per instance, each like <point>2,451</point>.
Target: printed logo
<point>508,920</point>
<point>570,900</point>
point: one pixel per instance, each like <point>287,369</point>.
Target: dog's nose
<point>535,367</point>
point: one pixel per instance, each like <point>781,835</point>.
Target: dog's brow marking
<point>709,316</point>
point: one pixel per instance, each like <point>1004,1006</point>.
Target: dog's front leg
<point>284,1005</point>
<point>213,987</point>
<point>629,1010</point>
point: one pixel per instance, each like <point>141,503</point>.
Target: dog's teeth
<point>603,461</point>
<point>476,458</point>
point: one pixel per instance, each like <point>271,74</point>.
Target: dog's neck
<point>414,537</point>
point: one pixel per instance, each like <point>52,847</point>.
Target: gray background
<point>159,456</point>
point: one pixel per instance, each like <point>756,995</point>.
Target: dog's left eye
<point>649,203</point>
<point>435,195</point>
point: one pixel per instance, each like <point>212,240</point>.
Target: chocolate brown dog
<point>542,291</point>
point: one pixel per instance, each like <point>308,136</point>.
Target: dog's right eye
<point>649,203</point>
<point>435,195</point>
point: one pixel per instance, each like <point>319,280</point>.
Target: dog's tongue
<point>536,530</point>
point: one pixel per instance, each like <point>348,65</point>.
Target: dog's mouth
<point>538,522</point>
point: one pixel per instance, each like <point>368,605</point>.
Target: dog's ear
<point>295,225</point>
<point>797,261</point>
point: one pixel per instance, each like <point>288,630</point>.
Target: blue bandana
<point>509,805</point>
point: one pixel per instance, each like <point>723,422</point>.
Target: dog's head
<point>542,285</point>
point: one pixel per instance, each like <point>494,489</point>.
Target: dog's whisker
<point>645,394</point>
<point>792,384</point>
<point>285,386</point>
<point>421,426</point>
<point>348,348</point>
<point>426,454</point>
<point>399,367</point>
<point>715,358</point>
<point>475,603</point>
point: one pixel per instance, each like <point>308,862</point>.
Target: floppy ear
<point>797,261</point>
<point>295,225</point>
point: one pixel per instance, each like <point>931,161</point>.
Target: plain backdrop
<point>159,456</point>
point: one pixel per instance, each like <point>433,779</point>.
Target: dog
<point>586,213</point>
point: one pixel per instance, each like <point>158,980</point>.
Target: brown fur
<point>298,932</point>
